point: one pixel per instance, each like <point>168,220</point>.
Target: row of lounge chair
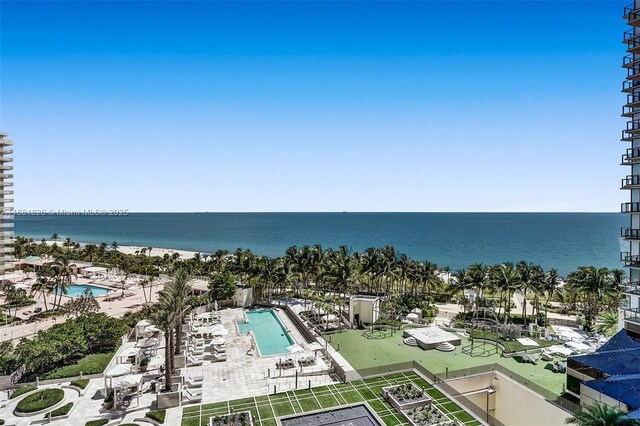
<point>302,362</point>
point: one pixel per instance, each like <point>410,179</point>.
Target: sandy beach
<point>184,254</point>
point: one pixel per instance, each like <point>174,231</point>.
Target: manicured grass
<point>40,400</point>
<point>62,411</point>
<point>266,408</point>
<point>82,383</point>
<point>158,416</point>
<point>22,391</point>
<point>99,422</point>
<point>90,364</point>
<point>365,353</point>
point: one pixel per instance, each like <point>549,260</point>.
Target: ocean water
<point>560,240</point>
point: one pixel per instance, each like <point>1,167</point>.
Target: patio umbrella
<point>151,329</point>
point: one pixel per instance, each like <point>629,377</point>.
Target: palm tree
<point>594,284</point>
<point>550,287</point>
<point>607,323</point>
<point>114,245</point>
<point>505,277</point>
<point>42,286</point>
<point>599,414</point>
<point>62,276</point>
<point>180,289</point>
<point>458,283</point>
<point>55,237</point>
<point>164,318</point>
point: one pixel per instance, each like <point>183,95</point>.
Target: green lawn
<point>90,364</point>
<point>266,408</point>
<point>365,353</point>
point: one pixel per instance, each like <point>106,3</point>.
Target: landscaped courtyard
<point>362,352</point>
<point>266,408</point>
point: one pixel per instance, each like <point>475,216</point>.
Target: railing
<point>469,405</point>
<point>632,314</point>
<point>630,233</point>
<point>628,9</point>
<point>628,86</point>
<point>629,59</point>
<point>632,207</point>
<point>631,156</point>
<point>630,181</point>
<point>483,369</point>
<point>632,287</point>
<point>631,260</point>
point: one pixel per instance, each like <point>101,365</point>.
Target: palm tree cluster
<point>169,315</point>
<point>588,290</point>
<point>53,277</point>
<point>311,271</point>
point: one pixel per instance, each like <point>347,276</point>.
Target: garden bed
<point>426,415</point>
<point>405,397</point>
<point>242,418</point>
<point>39,401</point>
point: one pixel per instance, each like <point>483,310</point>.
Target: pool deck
<point>245,375</point>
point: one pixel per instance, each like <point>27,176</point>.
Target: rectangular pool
<point>270,335</point>
<point>75,290</point>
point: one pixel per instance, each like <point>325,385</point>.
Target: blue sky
<point>314,106</point>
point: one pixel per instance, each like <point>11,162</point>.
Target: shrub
<point>90,364</point>
<point>40,400</point>
<point>99,422</point>
<point>62,411</point>
<point>158,416</point>
<point>22,390</point>
<point>82,383</point>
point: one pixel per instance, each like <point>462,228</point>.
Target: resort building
<point>610,375</point>
<point>6,193</point>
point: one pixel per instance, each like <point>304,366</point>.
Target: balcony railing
<point>632,288</point>
<point>628,136</point>
<point>633,72</point>
<point>630,260</point>
<point>628,9</point>
<point>632,41</point>
<point>630,233</point>
<point>629,86</point>
<point>630,182</point>
<point>632,314</point>
<point>630,208</point>
<point>632,156</point>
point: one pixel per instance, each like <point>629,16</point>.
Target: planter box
<point>231,419</point>
<point>433,409</point>
<point>168,400</point>
<point>405,405</point>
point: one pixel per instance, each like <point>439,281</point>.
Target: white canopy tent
<point>116,371</point>
<point>128,382</point>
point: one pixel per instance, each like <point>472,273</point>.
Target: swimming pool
<point>75,290</point>
<point>270,335</point>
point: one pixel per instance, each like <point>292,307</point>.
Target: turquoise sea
<point>560,240</point>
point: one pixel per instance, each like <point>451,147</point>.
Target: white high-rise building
<point>631,158</point>
<point>6,201</point>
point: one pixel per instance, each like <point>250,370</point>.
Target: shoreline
<point>155,251</point>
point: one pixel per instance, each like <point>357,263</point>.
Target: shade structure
<point>118,370</point>
<point>129,352</point>
<point>129,381</point>
<point>146,343</point>
<point>314,346</point>
<point>152,329</point>
<point>143,323</point>
<point>295,348</point>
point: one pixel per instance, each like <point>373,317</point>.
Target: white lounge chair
<point>192,361</point>
<point>219,357</point>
